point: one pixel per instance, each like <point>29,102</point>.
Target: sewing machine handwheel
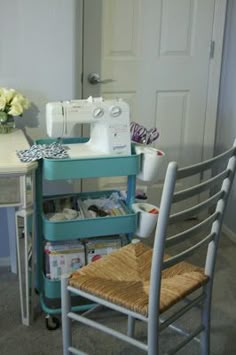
<point>52,323</point>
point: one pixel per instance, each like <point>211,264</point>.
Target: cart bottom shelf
<point>53,306</point>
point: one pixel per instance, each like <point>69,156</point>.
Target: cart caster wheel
<point>52,323</point>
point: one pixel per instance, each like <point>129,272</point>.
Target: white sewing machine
<point>109,125</point>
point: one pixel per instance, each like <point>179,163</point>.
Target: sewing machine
<point>109,125</point>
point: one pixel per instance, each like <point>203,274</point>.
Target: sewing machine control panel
<point>98,112</point>
<point>89,109</point>
<point>100,108</point>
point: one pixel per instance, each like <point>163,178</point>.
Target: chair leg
<point>153,337</point>
<point>206,319</point>
<point>131,326</point>
<point>66,322</point>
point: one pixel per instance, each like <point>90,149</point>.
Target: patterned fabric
<point>123,278</point>
<point>38,151</point>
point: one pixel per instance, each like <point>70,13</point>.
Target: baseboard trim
<point>5,261</point>
<point>230,234</point>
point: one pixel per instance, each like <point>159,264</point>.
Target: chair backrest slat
<point>221,206</point>
<point>196,189</point>
<point>206,232</point>
<point>192,211</point>
<point>187,252</point>
<point>208,164</point>
<point>191,232</point>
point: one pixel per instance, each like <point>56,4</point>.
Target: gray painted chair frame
<point>214,204</point>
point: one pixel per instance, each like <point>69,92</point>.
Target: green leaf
<point>3,117</point>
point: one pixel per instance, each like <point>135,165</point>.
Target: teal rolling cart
<point>68,169</point>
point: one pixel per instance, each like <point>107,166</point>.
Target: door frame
<point>214,76</point>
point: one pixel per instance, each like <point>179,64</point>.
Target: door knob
<point>94,79</point>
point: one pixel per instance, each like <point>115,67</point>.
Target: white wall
<point>226,127</point>
<point>39,47</point>
<point>39,56</point>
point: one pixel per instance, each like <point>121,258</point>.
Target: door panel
<point>122,40</point>
<point>177,27</point>
<point>171,104</point>
<point>157,54</point>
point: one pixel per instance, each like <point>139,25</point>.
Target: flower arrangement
<point>12,103</point>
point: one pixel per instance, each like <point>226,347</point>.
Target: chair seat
<point>122,277</point>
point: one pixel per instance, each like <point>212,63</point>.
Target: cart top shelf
<point>87,167</point>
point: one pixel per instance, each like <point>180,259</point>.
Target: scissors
<point>152,135</point>
<point>138,132</point>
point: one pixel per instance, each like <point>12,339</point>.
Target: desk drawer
<point>10,191</point>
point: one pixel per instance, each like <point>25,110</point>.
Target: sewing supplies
<point>147,209</point>
<point>66,256</point>
<point>151,136</point>
<point>152,160</point>
<point>96,248</point>
<point>73,207</point>
<point>98,212</point>
<point>140,134</point>
<point>147,218</point>
<point>63,257</point>
<point>140,195</point>
<point>154,211</point>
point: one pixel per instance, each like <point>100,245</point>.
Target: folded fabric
<point>38,151</point>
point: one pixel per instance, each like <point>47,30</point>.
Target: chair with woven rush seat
<point>144,283</point>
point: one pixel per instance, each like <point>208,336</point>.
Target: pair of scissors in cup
<point>138,132</point>
<point>152,135</point>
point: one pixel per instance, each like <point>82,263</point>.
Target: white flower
<point>7,93</point>
<point>3,91</point>
<point>20,99</point>
<point>16,109</point>
<point>3,102</point>
<point>12,102</point>
<point>10,94</point>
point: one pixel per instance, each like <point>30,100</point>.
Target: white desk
<point>17,181</point>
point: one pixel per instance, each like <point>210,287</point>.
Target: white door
<point>157,54</point>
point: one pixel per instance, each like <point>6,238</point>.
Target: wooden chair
<point>144,283</point>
